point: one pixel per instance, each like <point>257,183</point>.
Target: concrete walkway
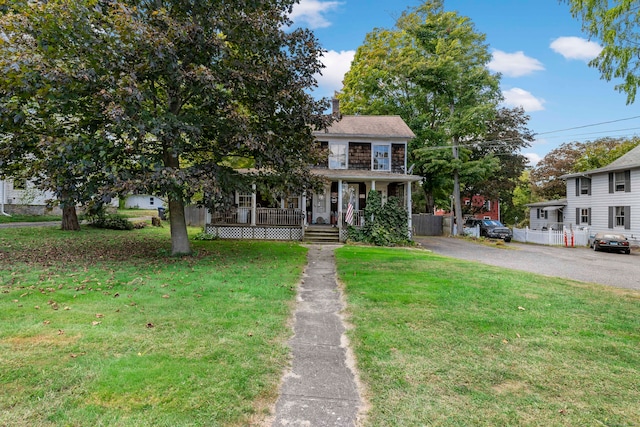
<point>321,388</point>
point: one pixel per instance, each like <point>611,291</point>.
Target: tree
<point>545,177</point>
<point>182,86</point>
<point>615,25</point>
<point>603,151</point>
<point>431,70</point>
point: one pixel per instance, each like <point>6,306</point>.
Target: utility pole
<point>456,189</point>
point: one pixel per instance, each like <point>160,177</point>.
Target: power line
<point>586,126</point>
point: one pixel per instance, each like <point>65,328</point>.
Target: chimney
<point>335,106</point>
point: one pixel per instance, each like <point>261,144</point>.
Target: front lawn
<point>102,327</point>
<point>444,342</point>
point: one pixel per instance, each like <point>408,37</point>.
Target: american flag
<point>349,216</point>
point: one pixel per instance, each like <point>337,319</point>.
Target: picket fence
<point>568,236</point>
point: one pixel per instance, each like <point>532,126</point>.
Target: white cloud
<point>311,13</point>
<point>517,97</point>
<point>533,158</point>
<point>337,64</point>
<point>576,48</point>
<point>514,64</point>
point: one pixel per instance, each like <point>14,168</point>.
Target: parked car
<point>490,228</point>
<point>610,242</point>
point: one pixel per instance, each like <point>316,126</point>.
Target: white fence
<point>570,237</point>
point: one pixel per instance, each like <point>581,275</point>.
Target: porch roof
<point>559,203</point>
<point>364,175</point>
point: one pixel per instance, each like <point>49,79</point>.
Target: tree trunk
<point>457,202</point>
<point>70,218</point>
<point>179,238</point>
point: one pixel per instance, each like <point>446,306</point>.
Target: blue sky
<point>537,46</point>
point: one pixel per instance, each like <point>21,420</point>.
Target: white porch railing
<point>357,219</point>
<point>570,237</point>
<point>263,216</point>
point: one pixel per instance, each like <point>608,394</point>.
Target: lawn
<point>443,342</point>
<point>103,327</point>
<point>28,218</point>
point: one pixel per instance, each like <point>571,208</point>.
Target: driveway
<point>581,264</point>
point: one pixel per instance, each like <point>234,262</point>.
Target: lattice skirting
<point>257,233</point>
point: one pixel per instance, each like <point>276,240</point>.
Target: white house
<point>548,215</point>
<point>608,198</point>
<point>143,201</point>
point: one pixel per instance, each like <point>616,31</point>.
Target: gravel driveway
<point>581,264</point>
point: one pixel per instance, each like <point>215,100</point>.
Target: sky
<point>536,45</point>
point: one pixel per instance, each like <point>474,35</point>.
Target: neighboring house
<point>143,201</point>
<point>481,208</point>
<point>21,197</point>
<point>365,153</point>
<point>547,215</point>
<point>608,198</point>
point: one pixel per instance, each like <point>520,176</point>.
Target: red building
<point>477,207</point>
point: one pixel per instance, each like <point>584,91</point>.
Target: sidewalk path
<point>320,389</point>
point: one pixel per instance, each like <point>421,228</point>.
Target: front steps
<point>321,234</point>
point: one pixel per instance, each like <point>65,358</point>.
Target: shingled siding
<point>324,164</point>
<point>359,156</point>
<point>397,158</point>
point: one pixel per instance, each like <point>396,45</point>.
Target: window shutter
<point>577,216</point>
<point>589,187</point>
<point>538,213</point>
<point>589,216</point>
<point>610,183</point>
<point>611,213</point>
<point>577,187</point>
<point>627,181</point>
<point>627,217</point>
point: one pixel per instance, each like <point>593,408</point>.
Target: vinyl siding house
<point>608,198</point>
<point>21,197</point>
<point>547,215</point>
<point>364,153</point>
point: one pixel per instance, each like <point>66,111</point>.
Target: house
<point>22,197</point>
<point>364,153</point>
<point>143,201</point>
<point>548,215</point>
<point>479,207</point>
<point>607,198</point>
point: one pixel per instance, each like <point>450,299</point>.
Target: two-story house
<point>365,153</point>
<point>607,198</point>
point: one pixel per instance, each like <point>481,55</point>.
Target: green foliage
<point>615,25</point>
<point>385,225</point>
<point>203,235</point>
<point>111,221</point>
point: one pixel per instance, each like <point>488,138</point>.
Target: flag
<point>349,216</point>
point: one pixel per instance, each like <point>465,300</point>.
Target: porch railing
<point>357,219</point>
<point>264,216</point>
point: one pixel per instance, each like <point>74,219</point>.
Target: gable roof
<point>548,203</point>
<point>629,160</point>
<point>368,127</point>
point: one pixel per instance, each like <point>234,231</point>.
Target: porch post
<point>409,219</point>
<point>373,185</point>
<point>340,204</point>
<point>253,205</point>
<point>303,199</point>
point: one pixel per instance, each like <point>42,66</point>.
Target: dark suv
<point>490,228</point>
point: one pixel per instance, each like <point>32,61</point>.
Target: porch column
<point>373,185</point>
<point>303,199</point>
<point>253,205</point>
<point>410,219</point>
<point>339,203</point>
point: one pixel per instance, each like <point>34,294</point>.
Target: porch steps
<point>321,235</point>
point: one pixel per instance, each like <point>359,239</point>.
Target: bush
<point>111,222</point>
<point>203,235</point>
<point>389,226</point>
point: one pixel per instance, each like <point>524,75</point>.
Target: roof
<point>348,174</point>
<point>548,203</point>
<point>630,160</point>
<point>368,127</point>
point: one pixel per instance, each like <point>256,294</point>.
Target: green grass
<point>102,327</point>
<point>137,213</point>
<point>443,342</point>
<point>29,218</point>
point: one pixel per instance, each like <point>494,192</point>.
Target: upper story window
<point>338,155</point>
<point>620,181</point>
<point>381,154</point>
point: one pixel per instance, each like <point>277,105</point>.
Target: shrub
<point>203,235</point>
<point>112,222</point>
<point>389,226</point>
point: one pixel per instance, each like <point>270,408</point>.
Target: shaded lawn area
<point>28,218</point>
<point>102,327</point>
<point>445,342</point>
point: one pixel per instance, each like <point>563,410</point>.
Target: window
<point>583,186</point>
<point>583,216</point>
<point>338,156</point>
<point>487,205</point>
<point>292,203</point>
<point>381,158</point>
<point>543,214</point>
<point>620,217</point>
<point>620,181</point>
<point>244,201</point>
<point>151,201</point>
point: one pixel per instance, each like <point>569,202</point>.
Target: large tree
<point>431,70</point>
<point>615,25</point>
<point>181,87</point>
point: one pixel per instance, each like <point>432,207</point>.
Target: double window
<point>381,154</point>
<point>583,216</point>
<point>338,155</point>
<point>620,217</point>
<point>620,181</point>
<point>542,214</point>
